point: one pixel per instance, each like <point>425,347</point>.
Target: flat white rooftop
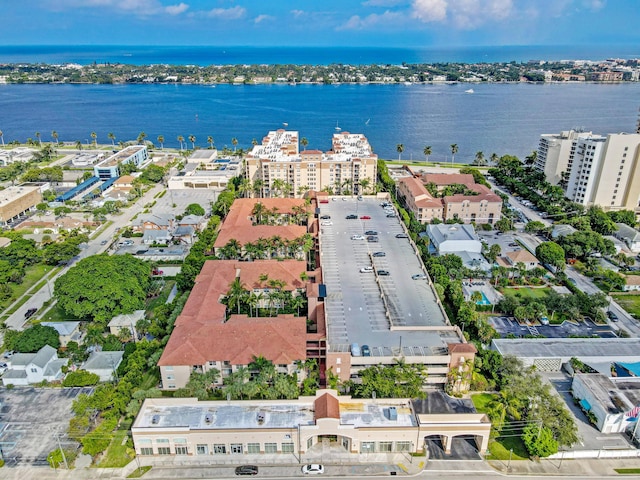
<point>11,194</point>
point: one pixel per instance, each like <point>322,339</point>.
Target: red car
<point>365,217</point>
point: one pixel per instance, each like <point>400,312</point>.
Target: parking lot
<point>31,419</point>
<point>586,328</point>
<point>362,307</point>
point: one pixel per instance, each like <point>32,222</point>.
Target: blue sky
<point>390,23</point>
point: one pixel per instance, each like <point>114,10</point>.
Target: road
<point>17,321</point>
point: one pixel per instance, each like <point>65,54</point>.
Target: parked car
<point>351,216</point>
<point>29,313</point>
<point>612,316</point>
<point>325,217</point>
<point>370,232</point>
<point>366,351</point>
<point>383,273</point>
<point>379,254</point>
<point>365,217</point>
<point>372,238</point>
<point>391,215</point>
<point>402,235</point>
<point>3,367</point>
<point>419,276</point>
<point>357,237</point>
<point>312,469</point>
<point>8,354</point>
<point>355,350</point>
<point>247,470</point>
<point>366,269</point>
<point>360,198</point>
<point>326,223</point>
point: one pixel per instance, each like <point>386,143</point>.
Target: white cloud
<point>263,18</point>
<point>383,3</point>
<point>595,4</point>
<point>233,13</point>
<point>177,9</point>
<point>297,13</point>
<point>356,22</point>
<point>464,14</point>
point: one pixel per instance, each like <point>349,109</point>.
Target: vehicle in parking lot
<point>372,238</point>
<point>247,470</point>
<point>419,276</point>
<point>355,350</point>
<point>365,217</point>
<point>513,244</point>
<point>370,232</point>
<point>383,273</point>
<point>390,215</point>
<point>357,237</point>
<point>351,216</point>
<point>379,254</point>
<point>366,269</point>
<point>3,367</point>
<point>402,235</point>
<point>326,223</point>
<point>313,468</point>
<point>29,313</point>
<point>366,351</point>
<point>360,198</point>
<point>325,217</point>
<point>8,354</point>
<point>612,316</point>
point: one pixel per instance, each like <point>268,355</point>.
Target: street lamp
<point>510,455</point>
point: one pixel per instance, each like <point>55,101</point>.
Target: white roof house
<point>628,235</point>
<point>68,331</point>
<point>104,364</point>
<point>27,368</point>
<point>127,321</point>
<point>451,238</point>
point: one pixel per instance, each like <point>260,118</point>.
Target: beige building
<point>277,167</point>
<point>301,428</point>
<point>556,152</point>
<point>16,201</point>
<point>480,205</point>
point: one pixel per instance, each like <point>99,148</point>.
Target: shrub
<point>80,378</point>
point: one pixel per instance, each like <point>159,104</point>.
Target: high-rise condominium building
<point>278,168</point>
<point>593,169</point>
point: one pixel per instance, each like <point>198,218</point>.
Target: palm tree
<point>54,135</point>
<point>254,142</point>
<point>112,137</point>
<point>94,137</point>
<point>141,138</point>
<point>480,160</point>
<point>2,137</point>
<point>234,142</point>
<point>297,302</point>
<point>161,141</point>
<point>364,185</point>
<point>78,144</point>
<point>210,141</point>
<point>531,159</point>
<point>38,137</point>
<point>304,142</point>
<point>494,158</point>
<point>192,139</point>
<point>399,149</point>
<point>180,139</point>
<point>427,152</point>
<point>454,150</point>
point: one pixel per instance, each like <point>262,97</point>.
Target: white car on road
<point>313,468</point>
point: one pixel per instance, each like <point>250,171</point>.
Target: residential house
<point>104,364</point>
<point>451,238</point>
<point>631,283</point>
<point>419,201</point>
<point>512,259</point>
<point>68,331</point>
<point>30,368</point>
<point>157,221</point>
<point>150,237</point>
<point>184,234</point>
<point>629,235</point>
<point>127,322</point>
<point>561,230</point>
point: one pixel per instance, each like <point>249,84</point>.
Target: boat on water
<point>469,91</point>
<point>337,127</point>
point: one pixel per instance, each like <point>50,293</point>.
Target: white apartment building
<point>277,167</point>
<point>598,170</point>
<point>556,152</point>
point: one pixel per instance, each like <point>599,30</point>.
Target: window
<point>287,448</point>
<point>236,448</point>
<point>164,451</point>
<point>253,448</point>
<point>181,450</point>
<point>385,446</point>
<point>169,377</point>
<point>403,446</point>
<point>270,448</point>
<point>219,448</point>
<point>202,449</point>
<point>367,447</point>
<point>169,369</point>
<point>146,451</point>
<point>310,442</point>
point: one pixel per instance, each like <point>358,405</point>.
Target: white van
<point>355,350</point>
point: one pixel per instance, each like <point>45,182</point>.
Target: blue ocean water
<point>500,118</point>
<point>224,55</point>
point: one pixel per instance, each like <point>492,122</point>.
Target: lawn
<point>631,303</point>
<point>525,292</point>
<point>500,448</point>
<point>56,314</point>
<point>117,455</point>
<point>32,276</point>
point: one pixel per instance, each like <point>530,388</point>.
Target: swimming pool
<point>484,301</point>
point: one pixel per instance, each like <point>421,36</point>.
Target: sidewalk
<point>590,467</point>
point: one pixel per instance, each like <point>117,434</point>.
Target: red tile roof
<point>448,178</point>
<point>326,406</point>
<point>462,348</point>
<point>201,335</point>
<point>238,225</point>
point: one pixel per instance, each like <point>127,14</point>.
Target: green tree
<point>194,209</point>
<point>80,378</point>
<point>504,224</point>
<point>34,338</point>
<point>399,149</point>
<point>539,441</point>
<point>102,286</point>
<point>454,150</point>
<point>153,174</point>
<point>94,137</point>
<point>112,137</point>
<point>552,254</point>
<point>427,152</point>
<point>304,142</point>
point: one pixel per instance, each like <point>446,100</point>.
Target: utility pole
<point>66,465</point>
